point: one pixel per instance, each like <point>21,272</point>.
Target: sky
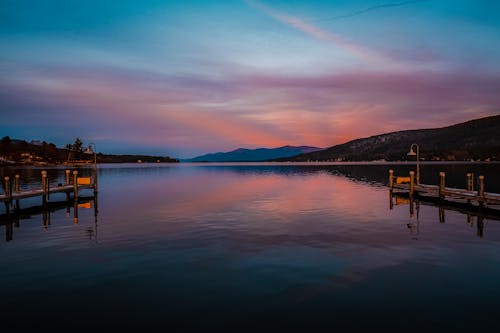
<point>184,78</point>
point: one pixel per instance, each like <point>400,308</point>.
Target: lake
<point>257,247</point>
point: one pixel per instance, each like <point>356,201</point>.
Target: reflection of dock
<point>472,212</point>
<point>12,219</point>
<point>469,196</point>
<point>74,184</point>
<point>397,198</point>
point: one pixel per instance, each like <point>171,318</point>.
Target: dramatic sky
<point>182,78</point>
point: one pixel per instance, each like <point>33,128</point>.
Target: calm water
<point>251,247</point>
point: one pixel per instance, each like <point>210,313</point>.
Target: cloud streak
<point>358,50</point>
<point>367,10</point>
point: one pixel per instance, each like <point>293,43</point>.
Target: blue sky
<point>182,78</point>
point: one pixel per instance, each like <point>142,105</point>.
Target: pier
<point>73,185</point>
<point>471,196</point>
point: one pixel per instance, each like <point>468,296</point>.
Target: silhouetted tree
<point>78,145</point>
<point>6,141</point>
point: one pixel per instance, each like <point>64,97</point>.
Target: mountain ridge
<point>253,155</point>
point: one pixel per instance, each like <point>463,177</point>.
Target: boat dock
<point>12,193</point>
<point>470,195</point>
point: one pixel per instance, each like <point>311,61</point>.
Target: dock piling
<point>391,178</point>
<point>412,182</point>
<point>16,183</point>
<point>8,190</point>
<point>470,182</point>
<point>44,187</point>
<point>67,176</point>
<point>75,185</point>
<point>442,184</point>
<point>480,190</point>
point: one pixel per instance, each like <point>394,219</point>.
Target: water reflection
<point>472,215</point>
<point>12,218</point>
<point>211,243</point>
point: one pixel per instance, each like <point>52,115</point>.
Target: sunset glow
<point>187,78</point>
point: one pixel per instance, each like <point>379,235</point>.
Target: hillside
<point>253,155</point>
<point>14,151</point>
<point>477,139</point>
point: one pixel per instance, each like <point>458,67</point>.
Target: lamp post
<point>417,154</point>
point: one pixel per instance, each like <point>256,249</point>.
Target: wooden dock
<point>469,196</point>
<point>12,194</point>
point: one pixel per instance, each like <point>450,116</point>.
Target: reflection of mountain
<point>253,155</point>
<point>475,139</point>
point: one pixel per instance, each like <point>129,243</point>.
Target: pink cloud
<point>251,110</point>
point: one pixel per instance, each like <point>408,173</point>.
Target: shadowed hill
<point>475,139</point>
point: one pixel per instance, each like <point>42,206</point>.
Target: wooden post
<point>391,202</point>
<point>442,184</point>
<point>75,185</point>
<point>412,182</point>
<point>391,179</point>
<point>480,190</point>
<point>44,187</point>
<point>8,193</point>
<point>470,182</point>
<point>67,176</point>
<point>16,183</point>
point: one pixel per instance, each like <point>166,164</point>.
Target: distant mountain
<point>253,155</point>
<point>477,139</point>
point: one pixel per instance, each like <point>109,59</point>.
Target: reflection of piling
<point>480,226</point>
<point>46,219</point>
<point>442,183</point>
<point>9,230</point>
<point>95,180</point>
<point>469,220</point>
<point>75,212</point>
<point>412,209</point>
<point>96,210</point>
<point>441,214</point>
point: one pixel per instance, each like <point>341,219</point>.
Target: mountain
<point>477,139</point>
<point>253,155</point>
